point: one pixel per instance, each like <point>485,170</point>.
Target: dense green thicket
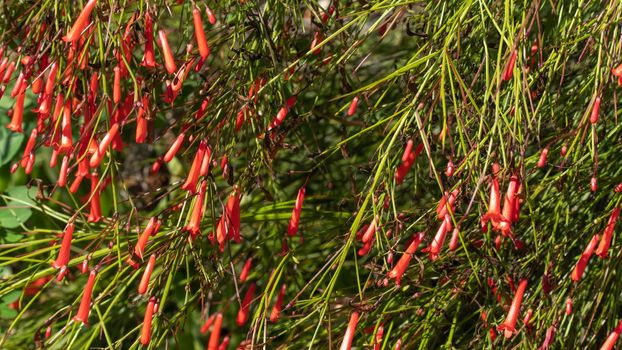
<point>327,97</point>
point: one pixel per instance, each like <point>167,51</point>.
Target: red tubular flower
<point>612,338</point>
<point>509,205</point>
<point>214,337</point>
<point>402,264</point>
<point>85,303</point>
<point>30,145</point>
<point>150,230</point>
<point>201,112</point>
<point>145,333</point>
<point>43,110</point>
<point>579,268</point>
<point>194,225</point>
<point>18,114</point>
<point>30,164</point>
<point>441,210</point>
<point>97,157</point>
<point>95,213</point>
<point>81,22</point>
<point>509,68</point>
<point>232,209</point>
<point>366,247</point>
<point>19,85</point>
<point>509,325</point>
<point>141,121</point>
<point>66,140</point>
<point>455,237</point>
<point>353,105</point>
<point>116,87</point>
<point>346,344</point>
<point>3,65</point>
<point>595,110</point>
<point>408,159</point>
<point>62,177</point>
<point>169,60</point>
<point>370,232</point>
<point>509,199</point>
<point>65,248</point>
<point>172,151</point>
<point>593,184</point>
<point>75,185</point>
<point>207,161</point>
<point>8,73</point>
<point>605,241</point>
<point>193,175</point>
<point>221,231</point>
<point>280,116</point>
<point>200,34</point>
<point>50,83</point>
<point>275,314</point>
<point>437,242</point>
<point>149,57</point>
<point>246,269</point>
<point>144,281</point>
<point>208,323</point>
<point>245,307</point>
<point>493,214</point>
<point>294,221</point>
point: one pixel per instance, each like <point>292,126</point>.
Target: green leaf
<point>10,144</point>
<point>11,236</point>
<point>17,211</point>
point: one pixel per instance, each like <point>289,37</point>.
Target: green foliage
<point>437,73</point>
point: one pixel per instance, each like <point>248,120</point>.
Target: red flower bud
<point>509,325</point>
<point>245,270</point>
<point>200,34</point>
<point>65,248</point>
<point>194,225</point>
<point>579,268</point>
<point>85,303</point>
<point>145,333</point>
<point>18,113</point>
<point>149,57</point>
<point>346,344</point>
<point>275,314</point>
<point>81,22</point>
<point>245,307</point>
<point>193,175</point>
<point>402,264</point>
<point>214,337</point>
<point>408,159</point>
<point>353,105</point>
<point>169,60</point>
<point>595,110</point>
<point>144,281</point>
<point>605,241</point>
<point>294,221</point>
